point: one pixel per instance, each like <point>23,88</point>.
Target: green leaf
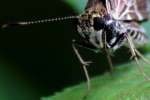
<point>146,26</point>
<point>77,5</point>
<point>126,83</point>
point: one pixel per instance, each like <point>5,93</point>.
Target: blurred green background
<point>38,60</point>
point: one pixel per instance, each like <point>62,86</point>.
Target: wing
<point>128,10</point>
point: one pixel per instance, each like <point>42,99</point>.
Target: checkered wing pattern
<point>128,10</point>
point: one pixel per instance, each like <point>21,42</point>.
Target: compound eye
<point>98,23</point>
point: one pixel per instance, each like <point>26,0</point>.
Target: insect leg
<point>141,56</point>
<point>86,45</point>
<point>109,60</point>
<point>134,55</point>
<point>84,64</point>
<point>108,55</point>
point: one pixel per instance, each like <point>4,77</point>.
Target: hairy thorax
<point>101,30</point>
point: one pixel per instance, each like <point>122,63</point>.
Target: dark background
<point>38,60</point>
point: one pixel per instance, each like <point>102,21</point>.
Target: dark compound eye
<point>98,23</point>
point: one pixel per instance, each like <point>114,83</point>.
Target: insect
<point>107,25</point>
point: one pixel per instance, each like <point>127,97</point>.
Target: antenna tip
<point>13,24</point>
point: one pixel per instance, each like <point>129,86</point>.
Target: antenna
<point>22,23</point>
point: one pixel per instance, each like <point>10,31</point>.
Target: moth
<point>107,25</point>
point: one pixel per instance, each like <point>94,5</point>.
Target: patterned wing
<point>128,10</point>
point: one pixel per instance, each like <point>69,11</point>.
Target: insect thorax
<point>101,30</point>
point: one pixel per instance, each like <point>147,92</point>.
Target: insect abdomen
<point>138,37</point>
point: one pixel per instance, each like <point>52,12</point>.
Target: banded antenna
<point>23,23</point>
